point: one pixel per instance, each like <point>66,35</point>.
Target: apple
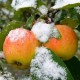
<point>19,48</point>
<point>67,45</point>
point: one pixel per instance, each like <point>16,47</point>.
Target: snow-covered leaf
<point>63,4</point>
<point>47,66</point>
<point>18,4</point>
<point>11,25</point>
<point>55,33</point>
<point>43,9</point>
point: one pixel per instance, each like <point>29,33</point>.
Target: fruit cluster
<point>20,44</point>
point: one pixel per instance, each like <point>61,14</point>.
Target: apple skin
<point>20,52</point>
<point>67,45</point>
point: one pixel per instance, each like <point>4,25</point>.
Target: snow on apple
<point>18,4</point>
<point>17,34</point>
<point>43,31</point>
<point>62,3</point>
<point>43,67</point>
<point>43,9</point>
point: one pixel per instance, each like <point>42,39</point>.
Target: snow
<point>6,76</point>
<point>17,34</point>
<point>43,9</point>
<point>62,3</point>
<point>42,31</point>
<point>2,78</point>
<point>18,4</point>
<point>43,67</point>
<point>78,9</point>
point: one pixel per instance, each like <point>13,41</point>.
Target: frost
<point>43,9</point>
<point>17,34</point>
<point>62,3</point>
<point>18,4</point>
<point>42,31</point>
<point>43,67</point>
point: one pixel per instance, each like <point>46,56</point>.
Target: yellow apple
<point>19,48</point>
<point>66,46</point>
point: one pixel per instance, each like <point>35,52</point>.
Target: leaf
<point>6,29</point>
<point>57,16</point>
<point>66,4</point>
<point>40,2</point>
<point>60,62</point>
<point>73,23</point>
<point>55,33</point>
<point>29,22</point>
<point>43,60</point>
<point>18,4</point>
<point>74,67</point>
<point>78,28</point>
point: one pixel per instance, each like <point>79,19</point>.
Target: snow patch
<point>43,9</point>
<point>17,34</point>
<point>42,31</point>
<point>78,9</point>
<point>6,76</point>
<point>18,4</point>
<point>43,67</point>
<point>62,3</point>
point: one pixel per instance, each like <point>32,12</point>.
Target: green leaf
<point>78,28</point>
<point>40,2</point>
<point>62,4</point>
<point>73,23</point>
<point>74,67</point>
<point>70,6</point>
<point>42,60</point>
<point>56,34</point>
<point>29,22</point>
<point>6,29</point>
<point>61,63</point>
<point>57,16</point>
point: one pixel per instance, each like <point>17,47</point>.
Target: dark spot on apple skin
<point>17,63</point>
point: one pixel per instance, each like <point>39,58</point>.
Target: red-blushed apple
<point>66,46</point>
<point>19,47</point>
